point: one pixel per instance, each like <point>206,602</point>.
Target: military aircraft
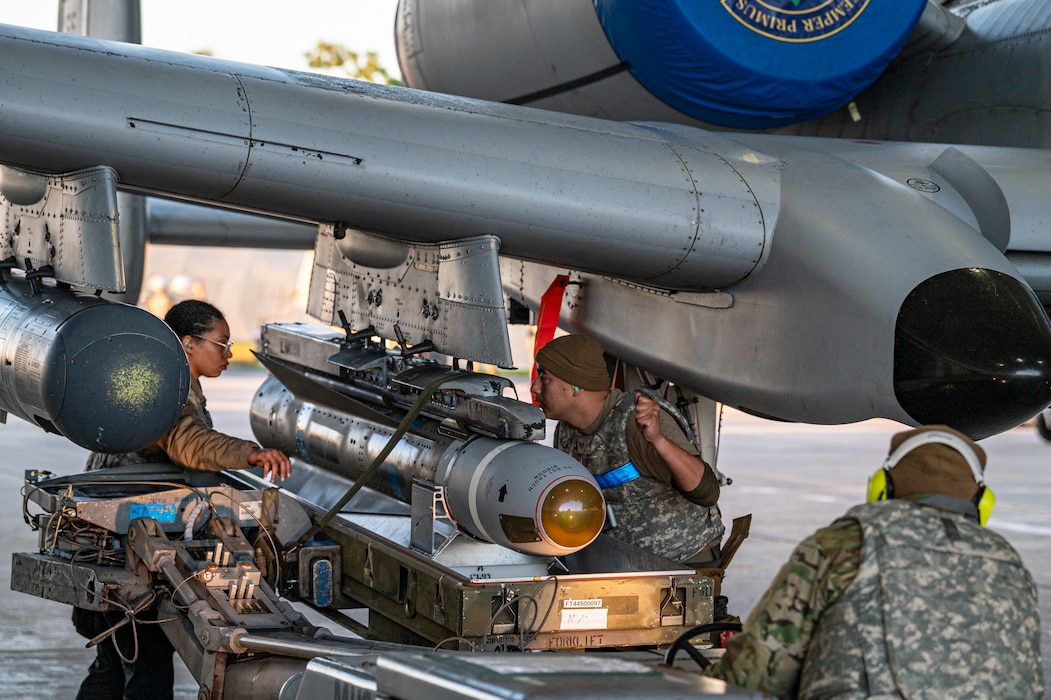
<point>803,277</point>
<point>813,211</point>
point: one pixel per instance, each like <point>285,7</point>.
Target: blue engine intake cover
<point>756,64</point>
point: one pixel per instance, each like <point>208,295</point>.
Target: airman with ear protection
<point>934,470</point>
<point>865,604</point>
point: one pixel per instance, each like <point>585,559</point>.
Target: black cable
<point>392,442</point>
<point>683,642</point>
<point>569,85</point>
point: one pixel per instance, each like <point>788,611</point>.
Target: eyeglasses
<point>225,346</point>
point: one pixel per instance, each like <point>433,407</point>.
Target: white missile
<point>522,495</point>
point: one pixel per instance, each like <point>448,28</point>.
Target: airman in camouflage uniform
<point>908,597</point>
<point>661,495</point>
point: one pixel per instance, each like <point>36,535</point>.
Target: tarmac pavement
<point>792,478</point>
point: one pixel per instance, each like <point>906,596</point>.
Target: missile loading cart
<point>420,516</point>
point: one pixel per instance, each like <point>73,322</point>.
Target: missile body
<point>522,495</point>
<point>809,280</point>
<point>110,377</point>
<point>336,401</point>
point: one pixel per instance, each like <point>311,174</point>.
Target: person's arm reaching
<point>275,463</point>
<point>687,470</point>
<point>192,444</point>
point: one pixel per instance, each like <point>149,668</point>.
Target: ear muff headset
<point>881,485</point>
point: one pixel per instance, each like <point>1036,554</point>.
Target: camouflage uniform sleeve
<point>768,655</point>
<point>193,444</point>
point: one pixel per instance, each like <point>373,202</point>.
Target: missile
<point>522,495</point>
<point>810,280</point>
<point>519,494</point>
<point>107,376</point>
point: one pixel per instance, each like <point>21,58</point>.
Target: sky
<point>269,32</point>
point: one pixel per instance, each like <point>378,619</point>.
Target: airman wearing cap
<point>660,494</point>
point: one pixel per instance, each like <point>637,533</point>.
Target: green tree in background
<point>360,66</point>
